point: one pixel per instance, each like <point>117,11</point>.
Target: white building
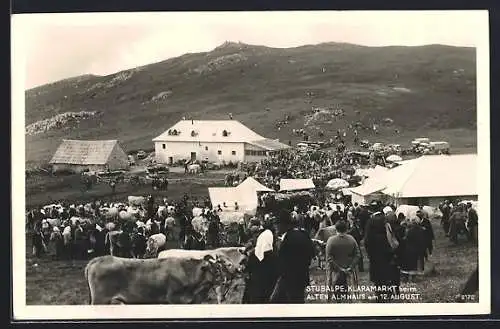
<point>427,180</point>
<point>215,141</point>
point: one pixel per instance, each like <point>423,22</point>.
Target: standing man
<point>445,220</point>
<point>428,233</point>
<point>384,270</point>
<point>472,222</point>
<point>342,257</point>
<point>363,217</point>
<point>294,258</point>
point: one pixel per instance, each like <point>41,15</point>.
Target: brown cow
<point>113,280</point>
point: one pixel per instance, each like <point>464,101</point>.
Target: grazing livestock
<point>199,211</point>
<point>155,244</point>
<point>136,200</point>
<point>113,280</point>
<point>320,252</point>
<point>236,255</point>
<point>194,169</point>
<point>200,225</point>
<point>326,232</point>
<point>119,243</point>
<point>411,211</point>
<point>54,221</point>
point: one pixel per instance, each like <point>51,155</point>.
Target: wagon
<point>137,180</point>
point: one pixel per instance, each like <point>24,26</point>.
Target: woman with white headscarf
<point>261,268</point>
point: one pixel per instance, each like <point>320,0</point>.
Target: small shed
<point>94,155</point>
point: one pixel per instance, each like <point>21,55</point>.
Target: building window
<point>233,152</point>
<point>206,148</point>
<point>219,152</point>
<point>163,146</point>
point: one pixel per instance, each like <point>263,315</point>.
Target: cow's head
<point>319,246</point>
<point>221,267</point>
<point>151,248</point>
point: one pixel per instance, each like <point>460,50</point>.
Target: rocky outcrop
<point>59,121</point>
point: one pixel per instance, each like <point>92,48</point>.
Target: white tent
<point>244,194</point>
<point>429,177</point>
<point>296,184</point>
<point>251,184</point>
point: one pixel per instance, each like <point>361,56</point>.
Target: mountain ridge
<point>431,88</point>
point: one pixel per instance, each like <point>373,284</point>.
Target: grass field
<point>62,282</point>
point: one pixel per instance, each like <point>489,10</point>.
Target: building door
<point>170,160</point>
<point>193,156</point>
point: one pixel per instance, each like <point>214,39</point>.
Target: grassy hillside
<point>429,90</point>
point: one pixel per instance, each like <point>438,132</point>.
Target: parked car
<point>365,143</point>
<point>141,155</point>
<point>157,170</point>
<point>440,147</point>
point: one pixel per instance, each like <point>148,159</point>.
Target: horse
<point>194,169</point>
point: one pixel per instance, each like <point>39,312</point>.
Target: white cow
<point>126,215</point>
<point>227,217</point>
<point>136,200</point>
<point>53,221</point>
<point>155,243</point>
<point>198,211</point>
<point>194,168</point>
<point>333,206</point>
<point>162,212</point>
<point>410,211</point>
<point>200,224</point>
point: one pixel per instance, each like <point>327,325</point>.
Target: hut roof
<point>84,152</point>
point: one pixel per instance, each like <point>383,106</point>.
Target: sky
<point>59,46</point>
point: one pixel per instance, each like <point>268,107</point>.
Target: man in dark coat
<point>445,220</point>
<point>363,217</point>
<point>384,269</point>
<point>428,233</point>
<point>213,231</point>
<point>294,258</point>
<point>472,222</point>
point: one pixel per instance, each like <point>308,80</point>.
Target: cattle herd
<point>147,250</point>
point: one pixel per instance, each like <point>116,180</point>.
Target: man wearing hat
<point>294,258</point>
<point>384,269</point>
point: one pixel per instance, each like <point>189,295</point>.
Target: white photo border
<point>123,312</point>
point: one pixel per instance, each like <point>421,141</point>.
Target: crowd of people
<point>396,247</point>
<point>281,241</point>
<point>320,166</point>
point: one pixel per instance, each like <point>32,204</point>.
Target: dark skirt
<point>261,279</point>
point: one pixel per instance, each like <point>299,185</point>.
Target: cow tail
<point>88,282</point>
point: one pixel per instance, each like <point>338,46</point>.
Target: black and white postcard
<point>176,165</point>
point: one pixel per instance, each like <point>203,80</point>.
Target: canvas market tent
<point>429,179</point>
<point>296,184</point>
<point>244,194</point>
